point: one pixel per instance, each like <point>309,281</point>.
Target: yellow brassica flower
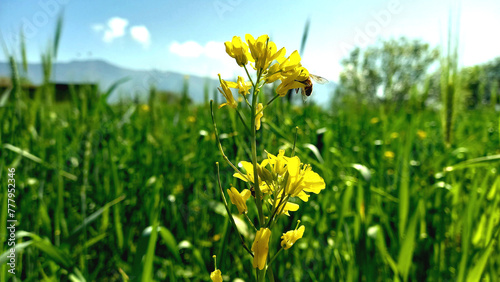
<point>277,163</point>
<point>225,85</point>
<point>238,50</point>
<point>284,208</point>
<point>263,51</point>
<point>288,65</point>
<point>302,179</point>
<point>260,248</point>
<point>421,134</point>
<point>289,238</point>
<point>216,275</point>
<point>292,81</point>
<point>249,177</point>
<point>239,199</point>
<point>242,86</point>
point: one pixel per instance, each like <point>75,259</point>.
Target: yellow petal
<point>293,166</point>
<point>238,199</point>
<point>259,115</point>
<point>313,182</point>
<point>289,238</point>
<point>216,276</point>
<point>260,248</point>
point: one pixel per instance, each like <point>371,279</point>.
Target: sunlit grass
<point>117,192</point>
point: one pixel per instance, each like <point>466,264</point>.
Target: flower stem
<point>274,257</point>
<point>249,77</point>
<point>243,121</point>
<point>218,140</point>
<point>250,221</point>
<point>253,141</point>
<point>229,212</point>
<point>261,274</point>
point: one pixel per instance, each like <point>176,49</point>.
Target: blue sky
<point>188,36</point>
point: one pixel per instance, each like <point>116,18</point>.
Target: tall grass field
<point>128,191</point>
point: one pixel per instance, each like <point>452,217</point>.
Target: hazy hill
<point>105,74</point>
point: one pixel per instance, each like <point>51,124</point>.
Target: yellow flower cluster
<point>269,62</point>
<point>280,178</point>
<point>283,178</point>
<point>279,181</point>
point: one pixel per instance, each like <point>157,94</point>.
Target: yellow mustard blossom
<point>238,50</point>
<point>292,81</point>
<point>225,85</point>
<point>145,108</point>
<point>277,163</point>
<point>394,135</point>
<point>242,86</point>
<point>260,248</point>
<point>216,275</point>
<point>289,238</point>
<point>389,154</point>
<point>263,51</point>
<point>421,134</point>
<point>249,177</point>
<point>288,65</point>
<point>239,199</point>
<point>286,69</point>
<point>302,179</point>
<point>260,114</point>
<point>273,73</point>
<point>374,120</point>
<point>284,208</point>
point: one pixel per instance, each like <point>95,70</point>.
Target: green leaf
<point>477,270</point>
<point>365,172</point>
<point>147,270</point>
<point>5,97</point>
<point>88,220</point>
<point>170,241</point>
<point>58,256</point>
<point>315,151</point>
<point>408,246</point>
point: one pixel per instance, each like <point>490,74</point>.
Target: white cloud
<point>203,58</point>
<point>187,49</point>
<point>115,28</point>
<point>193,49</point>
<point>141,34</point>
<point>215,50</point>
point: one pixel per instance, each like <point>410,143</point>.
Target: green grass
<point>105,192</point>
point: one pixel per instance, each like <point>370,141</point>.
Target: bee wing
<point>304,96</point>
<point>318,79</point>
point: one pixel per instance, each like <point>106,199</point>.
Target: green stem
<point>268,103</point>
<point>250,221</point>
<point>243,121</point>
<point>218,140</point>
<point>249,77</point>
<point>295,140</point>
<point>274,257</point>
<point>261,274</point>
<point>258,193</point>
<point>229,213</point>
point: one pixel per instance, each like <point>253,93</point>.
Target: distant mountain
<point>105,74</point>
